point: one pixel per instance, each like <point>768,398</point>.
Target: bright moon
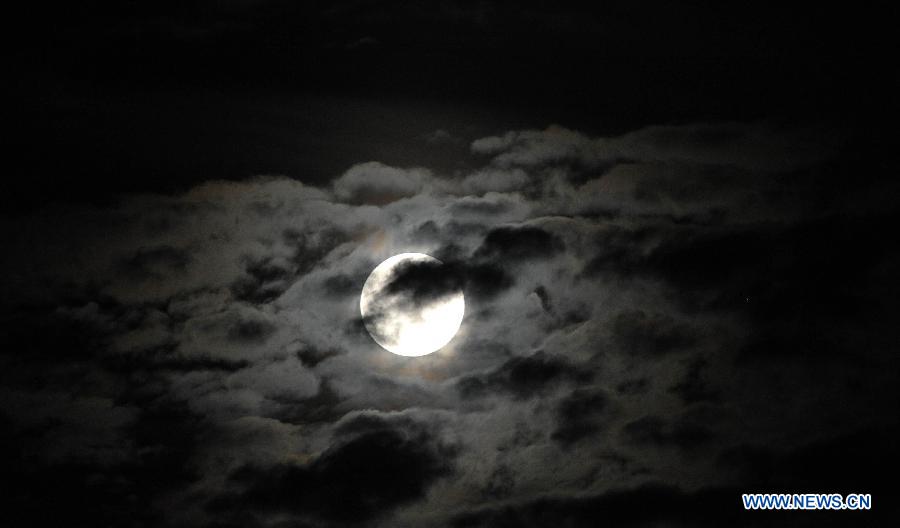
<point>405,325</point>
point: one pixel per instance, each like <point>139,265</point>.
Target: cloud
<point>577,415</point>
<point>653,430</point>
<point>424,282</point>
<point>371,469</point>
<point>532,147</point>
<point>156,262</point>
<point>427,282</point>
<point>756,146</point>
<point>264,281</point>
<point>523,377</point>
<point>640,333</point>
<point>514,244</point>
<point>286,379</point>
<point>495,180</point>
<point>694,388</point>
<point>378,184</point>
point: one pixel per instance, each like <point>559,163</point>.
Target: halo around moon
<point>409,306</point>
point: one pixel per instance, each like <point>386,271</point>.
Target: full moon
<point>411,305</point>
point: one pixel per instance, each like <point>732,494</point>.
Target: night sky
<point>670,222</point>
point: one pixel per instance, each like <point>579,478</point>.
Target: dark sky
<point>139,96</point>
<point>671,224</point>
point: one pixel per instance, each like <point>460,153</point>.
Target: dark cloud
<point>500,484</point>
<point>651,334</point>
<point>773,274</point>
<point>633,386</point>
<point>544,296</point>
<point>516,244</point>
<point>578,413</point>
<point>694,387</point>
<point>390,467</point>
<point>311,356</point>
<point>109,491</point>
<point>655,431</point>
<point>342,285</point>
<point>523,377</point>
<point>485,280</point>
<point>322,408</point>
<point>688,257</point>
<point>424,281</point>
<point>310,246</point>
<point>250,330</point>
<point>264,281</point>
<point>155,263</point>
<point>166,360</point>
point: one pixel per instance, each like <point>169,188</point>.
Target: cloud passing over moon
<point>410,306</point>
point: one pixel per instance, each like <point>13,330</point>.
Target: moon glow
<point>409,306</point>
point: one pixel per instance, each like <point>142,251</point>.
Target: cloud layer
<point>648,316</point>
